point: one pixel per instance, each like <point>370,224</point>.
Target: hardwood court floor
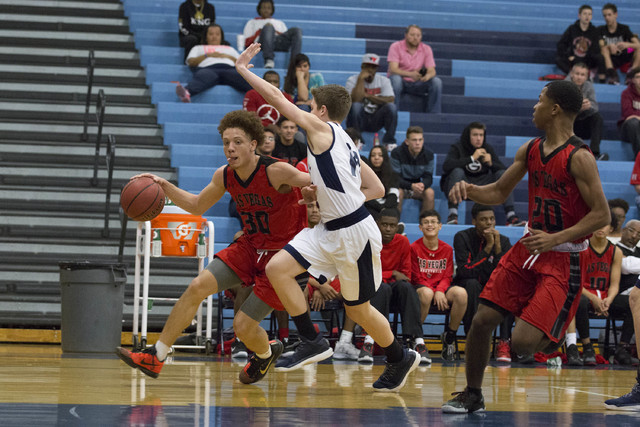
<point>39,385</point>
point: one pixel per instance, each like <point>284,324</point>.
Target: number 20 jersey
<point>555,202</point>
<point>269,218</point>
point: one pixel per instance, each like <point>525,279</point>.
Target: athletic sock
<point>571,339</point>
<point>162,350</point>
<point>453,211</point>
<point>346,336</point>
<point>305,326</point>
<point>394,352</point>
<point>265,355</point>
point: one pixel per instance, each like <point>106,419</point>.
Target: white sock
<point>453,211</point>
<point>571,339</point>
<point>368,339</point>
<point>346,336</point>
<point>162,350</point>
<point>265,355</point>
<point>510,214</point>
<point>419,341</point>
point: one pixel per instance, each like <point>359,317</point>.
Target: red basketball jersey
<point>596,270</point>
<point>555,202</point>
<point>269,218</point>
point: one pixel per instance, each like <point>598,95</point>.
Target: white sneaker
<point>345,351</point>
<point>269,63</point>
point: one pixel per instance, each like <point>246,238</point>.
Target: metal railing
<point>110,158</point>
<point>90,67</point>
<point>101,104</point>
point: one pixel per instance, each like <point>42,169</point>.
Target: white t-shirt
<point>379,86</point>
<point>200,50</point>
<point>254,25</point>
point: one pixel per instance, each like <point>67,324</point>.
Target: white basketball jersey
<point>336,172</point>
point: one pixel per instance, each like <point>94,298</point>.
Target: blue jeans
<point>218,74</point>
<point>431,90</point>
<point>385,116</point>
<point>271,42</point>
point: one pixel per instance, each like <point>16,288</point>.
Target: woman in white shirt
<point>213,63</point>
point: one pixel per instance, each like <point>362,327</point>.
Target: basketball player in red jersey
<point>538,279</point>
<point>262,188</point>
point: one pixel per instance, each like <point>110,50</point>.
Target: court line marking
<point>582,391</point>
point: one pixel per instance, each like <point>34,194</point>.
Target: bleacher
<point>488,75</point>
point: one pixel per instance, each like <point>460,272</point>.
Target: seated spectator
<point>253,101</point>
<point>588,123</point>
<point>581,43</point>
<point>629,123</point>
<point>474,160</point>
<point>372,106</point>
<point>396,289</point>
<point>618,45</point>
<point>287,147</point>
<point>478,251</point>
<point>298,82</point>
<point>194,16</point>
<point>356,137</point>
<point>381,165</point>
<point>412,70</point>
<point>414,164</point>
<point>213,62</point>
<point>619,208</point>
<point>600,272</point>
<point>630,269</point>
<point>271,33</point>
<point>431,274</point>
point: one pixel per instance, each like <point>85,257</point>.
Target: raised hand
<point>245,57</point>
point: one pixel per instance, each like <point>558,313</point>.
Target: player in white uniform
<point>347,242</point>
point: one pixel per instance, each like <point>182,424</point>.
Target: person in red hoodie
<point>431,273</point>
<point>629,123</point>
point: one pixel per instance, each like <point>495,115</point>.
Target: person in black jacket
<point>194,16</point>
<point>580,43</point>
<point>473,160</point>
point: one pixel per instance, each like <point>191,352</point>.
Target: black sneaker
<point>366,353</point>
<point>463,402</point>
<point>514,221</point>
<point>257,368</point>
<point>290,345</point>
<point>628,402</point>
<point>573,356</point>
<point>239,350</point>
<point>525,359</point>
<point>307,352</point>
<point>452,219</point>
<point>589,355</point>
<point>395,374</point>
<point>449,352</point>
<point>622,356</point>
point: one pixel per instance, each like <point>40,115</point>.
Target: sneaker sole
<point>240,355</point>
<point>317,358</point>
<point>629,408</point>
<point>447,409</point>
<point>414,366</point>
<point>503,359</point>
<point>120,352</point>
<point>343,357</point>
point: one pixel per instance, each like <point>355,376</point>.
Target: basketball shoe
<point>366,353</point>
<point>183,93</point>
<point>345,351</point>
<point>305,353</point>
<point>421,349</point>
<point>395,374</point>
<point>257,368</point>
<point>503,351</point>
<point>145,360</point>
<point>464,401</point>
<point>628,402</point>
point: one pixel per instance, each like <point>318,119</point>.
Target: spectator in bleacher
<point>396,289</point>
<point>600,272</point>
<point>299,81</point>
<point>271,33</point>
<point>581,43</point>
<point>253,101</point>
<point>474,160</point>
<point>414,164</point>
<point>588,124</point>
<point>619,46</point>
<point>478,251</point>
<point>431,274</point>
<point>629,123</point>
<point>194,16</point>
<point>412,70</point>
<point>630,269</point>
<point>619,208</point>
<point>287,147</point>
<point>381,165</point>
<point>213,63</point>
<point>372,100</point>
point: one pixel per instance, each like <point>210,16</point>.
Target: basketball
<point>142,199</point>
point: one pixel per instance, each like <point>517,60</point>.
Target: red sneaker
<point>183,93</point>
<point>503,352</point>
<point>145,360</point>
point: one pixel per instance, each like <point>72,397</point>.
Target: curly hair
<point>245,120</point>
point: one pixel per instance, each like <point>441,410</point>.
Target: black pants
<point>402,296</point>
<point>619,309</point>
<point>590,127</point>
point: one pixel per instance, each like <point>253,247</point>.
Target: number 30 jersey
<point>269,218</point>
<point>555,202</point>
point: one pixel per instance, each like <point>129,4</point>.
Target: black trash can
<point>92,295</point>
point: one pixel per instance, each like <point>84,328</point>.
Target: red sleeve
<point>416,276</point>
<point>635,174</point>
<point>447,275</point>
<point>396,256</point>
<point>626,104</point>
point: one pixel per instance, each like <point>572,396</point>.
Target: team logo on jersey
<point>355,161</point>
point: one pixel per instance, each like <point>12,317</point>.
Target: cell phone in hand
<point>423,71</point>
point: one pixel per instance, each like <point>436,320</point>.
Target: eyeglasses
<point>270,138</point>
